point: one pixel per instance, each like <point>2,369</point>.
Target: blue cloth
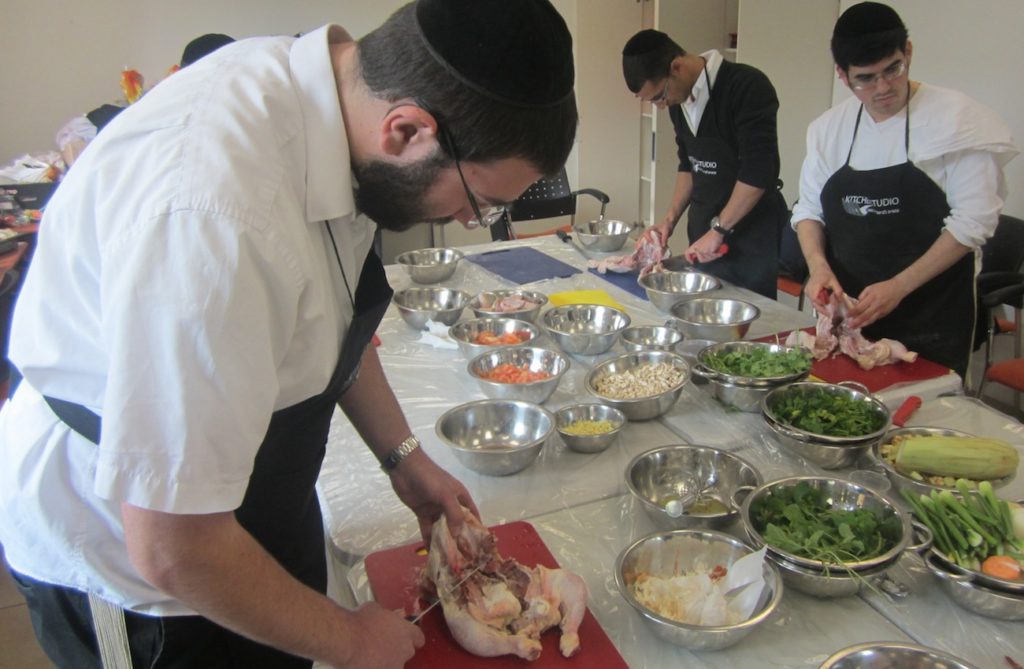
<point>523,265</point>
<point>626,282</point>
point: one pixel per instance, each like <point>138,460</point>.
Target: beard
<point>392,195</point>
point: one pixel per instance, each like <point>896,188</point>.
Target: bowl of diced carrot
<point>480,335</point>
<point>525,373</point>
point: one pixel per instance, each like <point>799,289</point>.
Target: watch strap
<point>404,449</point>
<point>717,227</point>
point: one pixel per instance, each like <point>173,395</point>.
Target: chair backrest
<point>547,198</point>
<point>791,259</point>
<point>1004,252</point>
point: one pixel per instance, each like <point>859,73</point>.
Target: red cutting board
<point>842,367</point>
<point>393,572</point>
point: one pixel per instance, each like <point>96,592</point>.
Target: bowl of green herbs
<point>743,372</point>
<point>828,424</point>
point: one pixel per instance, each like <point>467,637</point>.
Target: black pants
<point>63,625</point>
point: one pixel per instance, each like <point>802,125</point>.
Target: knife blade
<point>415,619</point>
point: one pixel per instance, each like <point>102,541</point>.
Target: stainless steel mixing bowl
<point>716,318</point>
<point>430,265</point>
<point>643,406</point>
<point>603,234</point>
<point>527,357</point>
<point>666,289</point>
<point>418,306</point>
<point>585,329</point>
<point>496,437</point>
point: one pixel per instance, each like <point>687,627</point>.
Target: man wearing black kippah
<point>902,183</point>
<point>203,298</point>
<point>724,118</point>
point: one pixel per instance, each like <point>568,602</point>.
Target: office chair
<point>792,266</point>
<point>547,198</point>
<point>1000,283</point>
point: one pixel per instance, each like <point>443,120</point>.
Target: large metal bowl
<point>418,306</point>
<point>743,392</point>
<point>890,654</point>
<point>643,407</point>
<point>826,451</point>
<point>496,437</point>
<point>666,289</point>
<point>531,301</point>
<point>466,333</point>
<point>589,443</point>
<point>826,583</point>
<point>715,318</point>
<point>903,482</point>
<point>668,554</point>
<point>838,494</point>
<point>973,596</point>
<point>677,475</point>
<point>650,338</point>
<point>603,234</point>
<point>430,265</point>
<point>585,329</point>
<point>690,349</point>
<point>528,357</point>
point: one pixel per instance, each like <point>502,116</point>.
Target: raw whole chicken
<point>504,607</point>
<point>832,337</point>
<point>647,256</point>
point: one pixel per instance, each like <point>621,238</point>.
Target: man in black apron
<point>886,234</point>
<point>724,118</point>
<point>414,123</point>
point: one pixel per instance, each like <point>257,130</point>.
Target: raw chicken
<point>647,255</point>
<point>504,607</point>
<point>832,337</point>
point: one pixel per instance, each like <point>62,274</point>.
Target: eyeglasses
<point>481,218</point>
<point>865,82</point>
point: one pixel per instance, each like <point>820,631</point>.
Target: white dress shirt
<point>184,288</point>
<point>959,143</point>
<point>694,106</point>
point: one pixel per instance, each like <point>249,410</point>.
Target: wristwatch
<point>408,445</point>
<point>717,227</point>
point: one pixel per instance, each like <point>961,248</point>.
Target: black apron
<point>877,223</point>
<point>280,508</point>
<point>753,258</point>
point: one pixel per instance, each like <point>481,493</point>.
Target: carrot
<point>1001,566</point>
<point>509,373</point>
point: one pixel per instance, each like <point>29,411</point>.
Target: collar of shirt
<point>327,153</point>
<point>693,107</point>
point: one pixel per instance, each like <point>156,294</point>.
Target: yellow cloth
<point>584,297</point>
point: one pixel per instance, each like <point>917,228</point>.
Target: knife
<point>415,619</point>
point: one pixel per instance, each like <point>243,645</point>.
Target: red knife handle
<point>909,406</point>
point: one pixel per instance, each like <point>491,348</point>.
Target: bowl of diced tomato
<point>525,373</point>
<point>480,335</point>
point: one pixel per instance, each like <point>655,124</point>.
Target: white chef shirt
<point>959,143</point>
<point>697,102</point>
<point>184,288</point>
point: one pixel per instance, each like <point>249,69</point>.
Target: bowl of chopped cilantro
<point>830,425</point>
<point>743,372</point>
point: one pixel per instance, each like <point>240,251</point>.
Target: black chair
<point>792,266</point>
<point>8,291</point>
<point>547,198</point>
<point>1000,283</point>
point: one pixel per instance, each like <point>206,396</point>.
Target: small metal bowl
<point>466,332</point>
<point>839,494</point>
<point>881,654</point>
<point>668,554</point>
<point>670,474</point>
<point>589,443</point>
<point>974,597</point>
<point>496,437</point>
<point>743,392</point>
<point>418,306</point>
<point>585,329</point>
<point>647,406</point>
<point>666,289</point>
<point>483,305</point>
<point>650,338</point>
<point>430,265</point>
<point>826,451</point>
<point>603,235</point>
<point>529,357</point>
<point>717,318</point>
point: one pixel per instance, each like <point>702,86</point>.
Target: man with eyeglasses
<point>724,115</point>
<point>902,183</point>
<point>203,298</point>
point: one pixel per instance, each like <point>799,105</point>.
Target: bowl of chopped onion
<point>642,385</point>
<point>480,335</point>
<point>526,373</point>
<point>589,428</point>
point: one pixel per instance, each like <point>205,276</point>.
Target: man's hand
<point>430,491</point>
<point>821,284</point>
<point>657,233</point>
<point>384,639</point>
<point>709,247</point>
<point>875,302</point>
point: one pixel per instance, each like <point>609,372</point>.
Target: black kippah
<point>867,18</point>
<point>517,52</point>
<point>203,45</point>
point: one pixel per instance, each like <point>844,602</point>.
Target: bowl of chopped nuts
<point>589,428</point>
<point>642,385</point>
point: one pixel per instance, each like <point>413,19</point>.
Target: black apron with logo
<point>280,508</point>
<point>753,258</point>
<point>877,223</point>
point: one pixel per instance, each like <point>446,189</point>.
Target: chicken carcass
<point>832,336</point>
<point>504,607</point>
<point>647,256</point>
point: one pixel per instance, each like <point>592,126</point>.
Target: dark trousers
<point>63,626</point>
